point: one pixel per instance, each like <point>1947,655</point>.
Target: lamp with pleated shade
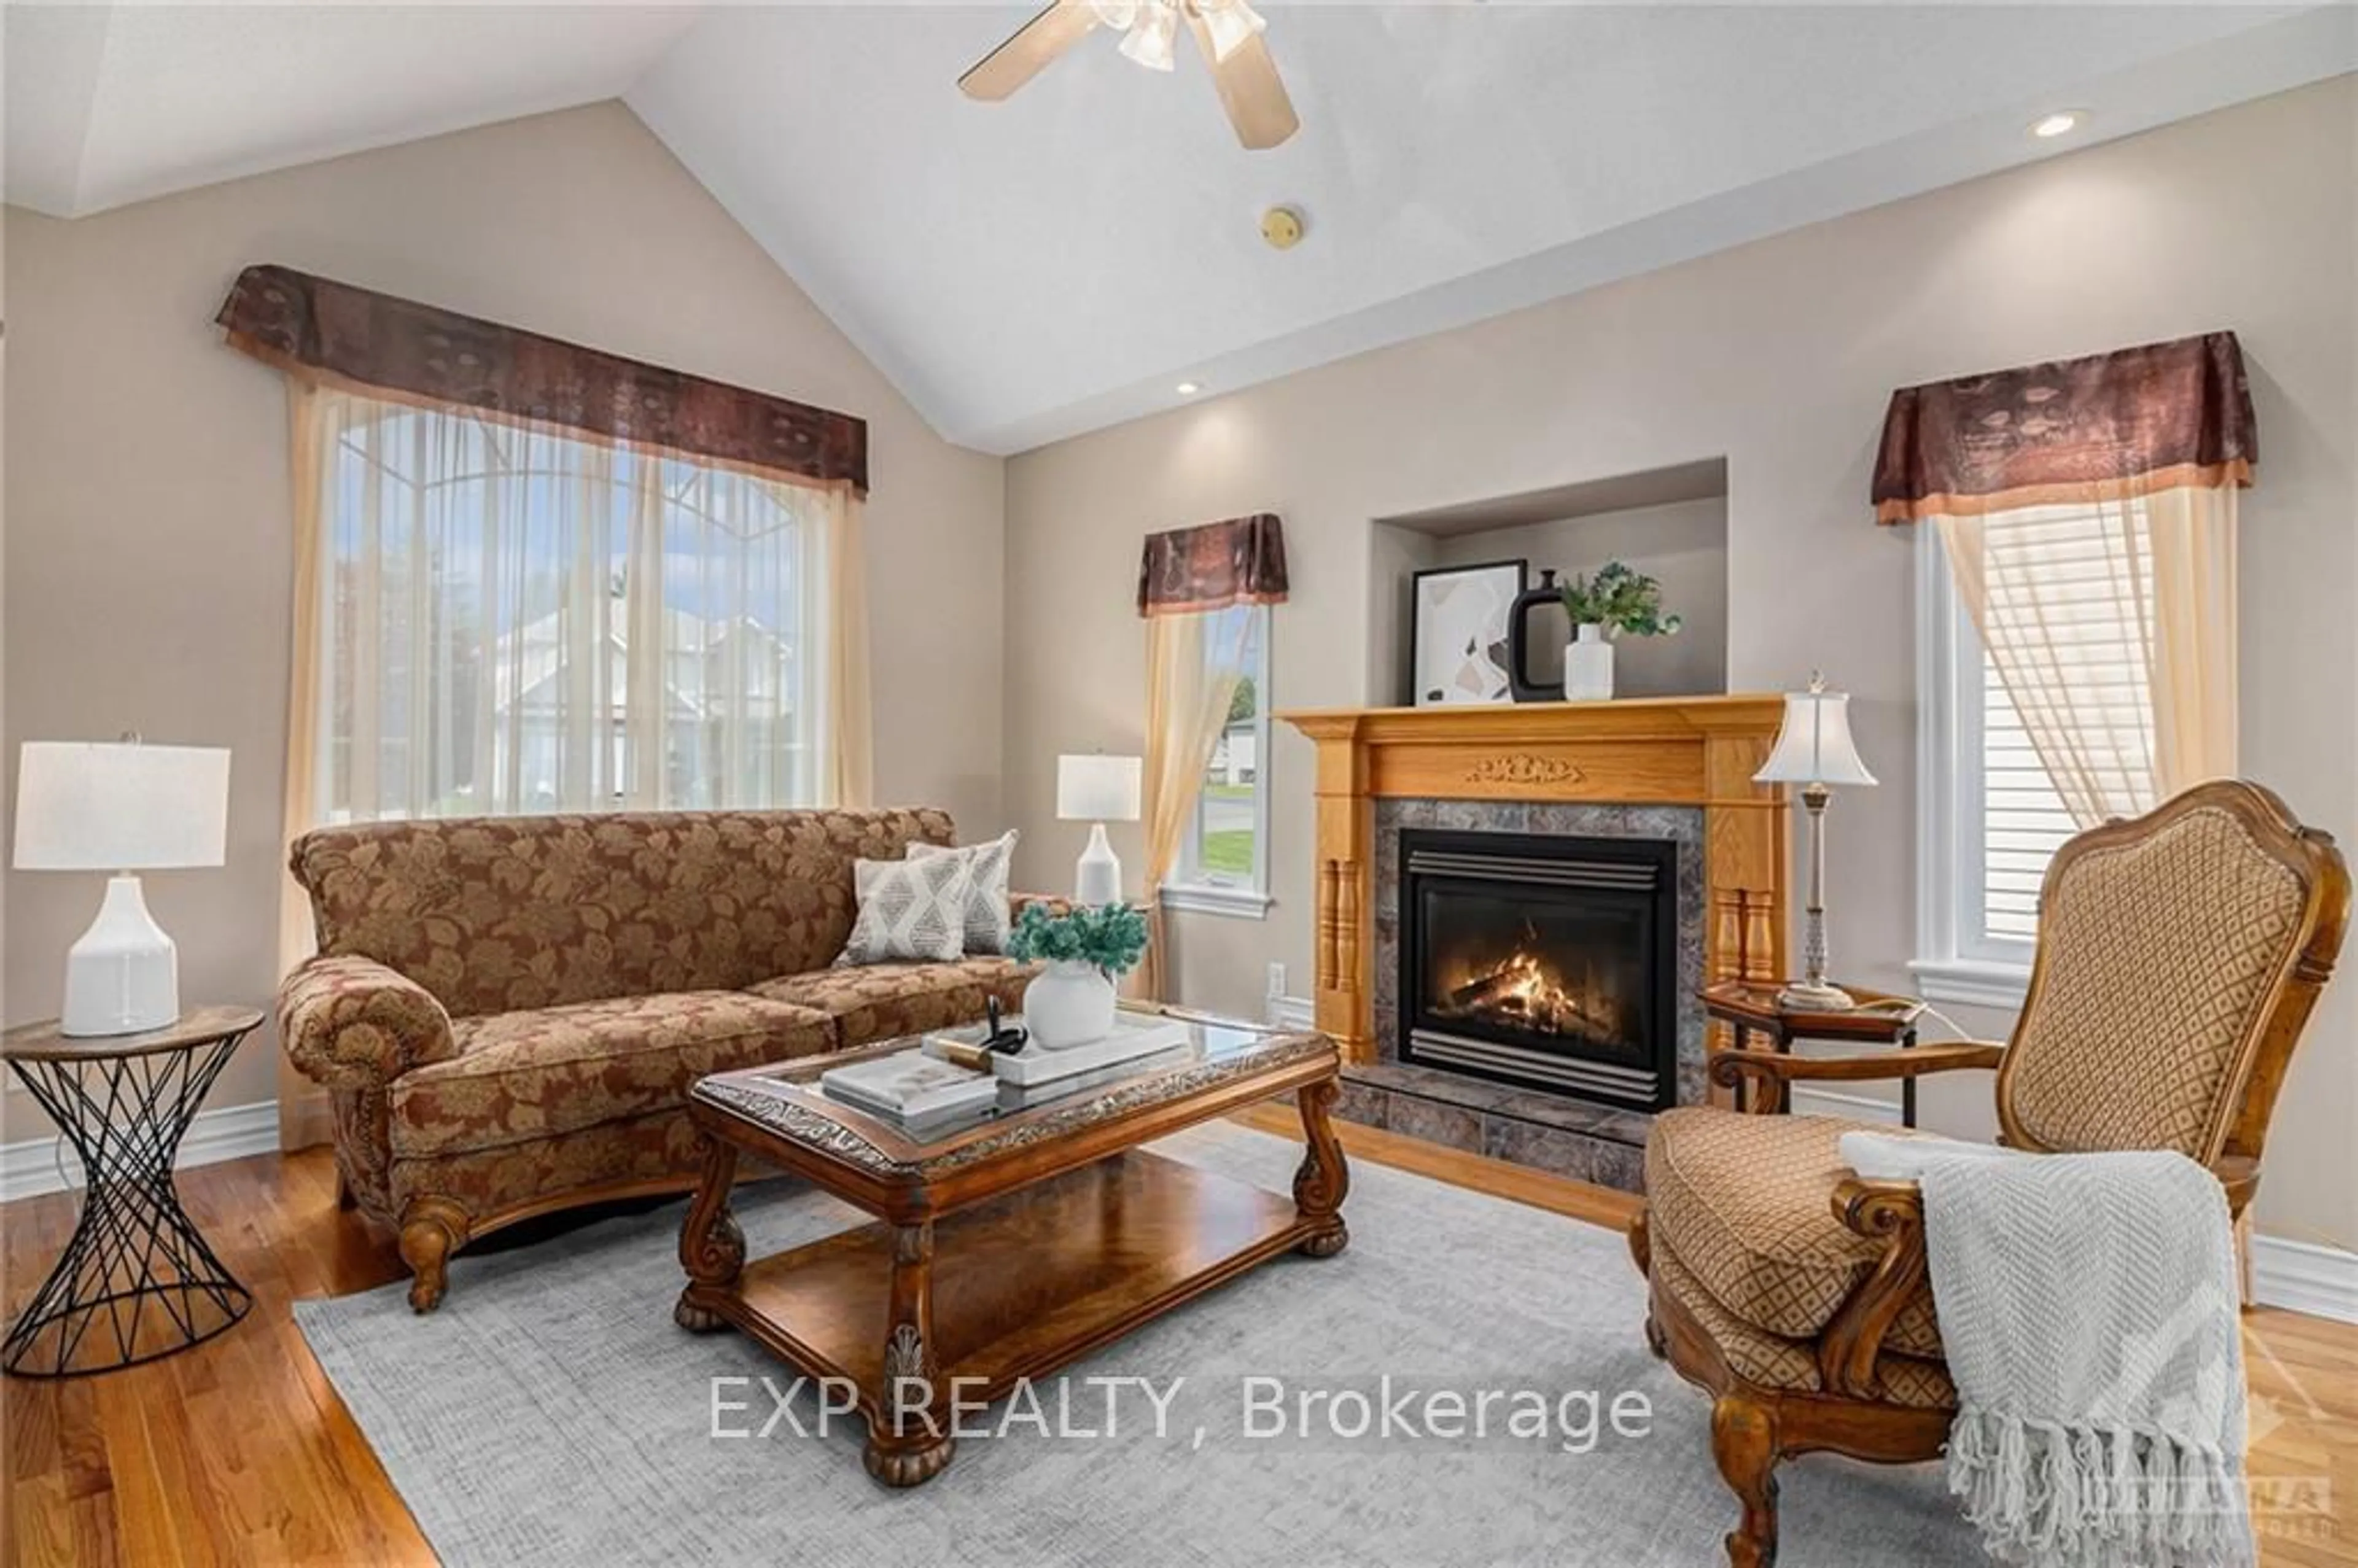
<point>1814,749</point>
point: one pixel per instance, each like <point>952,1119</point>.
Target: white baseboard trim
<point>2302,1276</point>
<point>32,1166</point>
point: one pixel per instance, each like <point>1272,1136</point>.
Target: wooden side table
<point>135,1281</point>
<point>1750,1007</point>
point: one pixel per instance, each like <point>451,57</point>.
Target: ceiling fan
<point>1227,31</point>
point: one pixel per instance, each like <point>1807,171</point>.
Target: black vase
<point>1519,640</point>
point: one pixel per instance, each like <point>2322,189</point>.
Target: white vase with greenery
<point>1071,1001</point>
<point>1618,601</point>
<point>1587,664</point>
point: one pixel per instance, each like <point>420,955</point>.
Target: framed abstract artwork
<point>1458,631</point>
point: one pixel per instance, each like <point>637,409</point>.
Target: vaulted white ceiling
<point>1031,270</point>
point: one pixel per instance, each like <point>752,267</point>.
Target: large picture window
<point>510,620</point>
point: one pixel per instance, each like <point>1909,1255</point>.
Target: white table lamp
<point>1098,789</point>
<point>1814,749</point>
<point>121,807</point>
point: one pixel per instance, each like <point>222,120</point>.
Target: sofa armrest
<point>1055,903</point>
<point>352,1024</point>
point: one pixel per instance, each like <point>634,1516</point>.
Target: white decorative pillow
<point>908,909</point>
<point>988,916</point>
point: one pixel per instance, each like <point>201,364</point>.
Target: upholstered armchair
<point>2179,957</point>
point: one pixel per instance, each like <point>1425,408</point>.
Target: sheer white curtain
<point>509,619</point>
<point>491,620</point>
<point>2111,623</point>
<point>1193,665</point>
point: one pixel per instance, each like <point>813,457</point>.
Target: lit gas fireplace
<point>1540,960</point>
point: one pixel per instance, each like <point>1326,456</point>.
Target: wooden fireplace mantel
<point>1669,750</point>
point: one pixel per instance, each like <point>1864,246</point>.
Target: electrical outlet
<point>1276,981</point>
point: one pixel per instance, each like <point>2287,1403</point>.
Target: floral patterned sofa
<point>508,1011</point>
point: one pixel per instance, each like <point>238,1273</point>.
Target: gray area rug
<point>551,1414</point>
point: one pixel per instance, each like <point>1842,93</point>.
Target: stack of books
<point>914,1090</point>
<point>1135,1036</point>
<point>923,1093</point>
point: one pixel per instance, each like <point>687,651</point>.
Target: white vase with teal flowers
<point>1071,1001</point>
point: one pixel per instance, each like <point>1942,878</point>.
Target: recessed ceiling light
<point>2062,122</point>
<point>1188,389</point>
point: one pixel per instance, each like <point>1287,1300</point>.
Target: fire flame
<point>1528,993</point>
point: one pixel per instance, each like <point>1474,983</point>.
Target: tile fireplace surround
<point>1666,768</point>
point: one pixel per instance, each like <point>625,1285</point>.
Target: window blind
<point>2079,579</point>
<point>2023,820</point>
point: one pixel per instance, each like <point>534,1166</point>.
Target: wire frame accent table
<point>135,1281</point>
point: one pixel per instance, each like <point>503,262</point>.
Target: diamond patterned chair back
<point>2180,954</point>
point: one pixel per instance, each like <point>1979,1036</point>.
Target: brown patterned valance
<point>419,353</point>
<point>1188,571</point>
<point>2164,416</point>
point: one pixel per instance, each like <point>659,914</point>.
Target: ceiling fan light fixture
<point>1115,13</point>
<point>1149,38</point>
<point>1230,23</point>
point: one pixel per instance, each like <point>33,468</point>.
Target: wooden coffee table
<point>1007,1248</point>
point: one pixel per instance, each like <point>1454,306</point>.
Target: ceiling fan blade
<point>1250,90</point>
<point>1033,48</point>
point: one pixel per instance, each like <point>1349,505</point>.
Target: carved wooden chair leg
<point>345,1199</point>
<point>1744,1442</point>
<point>431,1229</point>
<point>1641,1248</point>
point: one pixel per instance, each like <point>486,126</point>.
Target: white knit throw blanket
<point>2090,1314</point>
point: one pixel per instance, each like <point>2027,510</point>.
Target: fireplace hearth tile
<point>1619,1165</point>
<point>1363,1103</point>
<point>1491,1120</point>
<point>1452,1126</point>
<point>1431,1082</point>
<point>1559,1111</point>
<point>1539,1148</point>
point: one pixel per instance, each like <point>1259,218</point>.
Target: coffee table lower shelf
<point>1012,1288</point>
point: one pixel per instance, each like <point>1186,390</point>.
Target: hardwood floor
<point>238,1451</point>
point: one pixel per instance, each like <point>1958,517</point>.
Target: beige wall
<point>1779,356</point>
<point>146,492</point>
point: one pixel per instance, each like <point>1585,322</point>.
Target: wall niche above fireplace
<point>1669,523</point>
<point>1542,960</point>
